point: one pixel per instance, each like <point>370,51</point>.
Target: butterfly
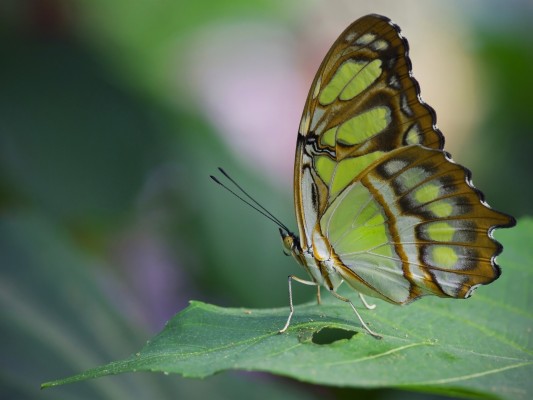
<point>379,204</point>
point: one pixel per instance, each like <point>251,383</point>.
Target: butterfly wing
<point>371,179</point>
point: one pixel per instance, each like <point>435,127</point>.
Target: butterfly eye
<point>288,242</point>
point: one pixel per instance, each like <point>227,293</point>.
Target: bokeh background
<point>114,113</point>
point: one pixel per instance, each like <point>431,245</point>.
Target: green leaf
<point>477,348</point>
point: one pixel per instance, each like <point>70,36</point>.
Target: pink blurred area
<point>251,78</point>
<point>246,78</point>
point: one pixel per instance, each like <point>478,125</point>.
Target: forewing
<point>363,103</point>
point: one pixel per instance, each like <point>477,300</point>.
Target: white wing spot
<point>379,45</point>
<point>394,83</point>
<point>365,39</point>
<point>350,36</point>
<point>405,106</point>
<point>304,124</point>
<point>394,166</point>
<point>317,88</point>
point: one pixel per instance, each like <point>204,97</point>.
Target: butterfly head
<point>291,243</point>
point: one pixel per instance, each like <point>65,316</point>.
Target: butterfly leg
<point>338,296</point>
<point>318,301</point>
<point>368,306</point>
<point>291,277</point>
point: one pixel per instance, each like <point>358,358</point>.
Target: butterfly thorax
<point>318,260</point>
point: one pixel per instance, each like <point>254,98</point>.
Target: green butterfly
<point>378,202</point>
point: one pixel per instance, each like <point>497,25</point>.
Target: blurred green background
<point>114,113</point>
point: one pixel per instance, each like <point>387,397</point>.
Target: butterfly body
<point>379,203</point>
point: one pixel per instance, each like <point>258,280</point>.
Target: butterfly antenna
<point>251,202</point>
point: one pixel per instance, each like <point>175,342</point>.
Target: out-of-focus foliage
<point>506,134</point>
<point>109,222</point>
